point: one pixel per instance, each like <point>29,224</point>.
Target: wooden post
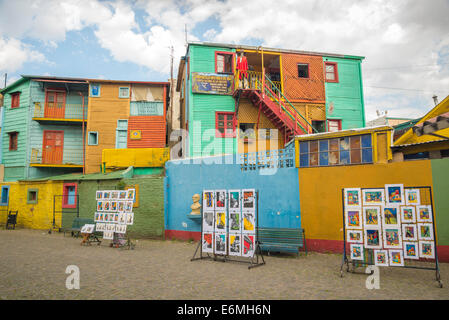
<point>263,77</point>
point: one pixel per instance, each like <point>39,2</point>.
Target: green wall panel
<point>440,178</point>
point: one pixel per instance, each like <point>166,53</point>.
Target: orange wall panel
<point>152,130</point>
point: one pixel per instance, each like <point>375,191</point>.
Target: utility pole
<point>6,77</point>
<point>171,83</point>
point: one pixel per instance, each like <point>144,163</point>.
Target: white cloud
<point>14,54</point>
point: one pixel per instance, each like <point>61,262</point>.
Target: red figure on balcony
<point>242,67</point>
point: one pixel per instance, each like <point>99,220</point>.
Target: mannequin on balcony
<point>242,67</point>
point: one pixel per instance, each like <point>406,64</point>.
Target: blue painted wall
<point>278,193</point>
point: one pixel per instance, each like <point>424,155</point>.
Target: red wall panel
<point>152,131</point>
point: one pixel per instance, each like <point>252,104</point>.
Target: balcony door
<point>55,104</point>
<point>52,147</point>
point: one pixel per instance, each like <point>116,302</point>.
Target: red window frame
<point>13,140</point>
<point>65,196</point>
<point>226,133</point>
<point>15,100</point>
<point>334,120</point>
<point>334,64</point>
<point>308,70</point>
<point>55,92</point>
<point>232,61</point>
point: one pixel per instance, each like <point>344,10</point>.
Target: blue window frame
<point>4,200</point>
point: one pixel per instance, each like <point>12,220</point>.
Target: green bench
<point>77,225</point>
<point>281,239</point>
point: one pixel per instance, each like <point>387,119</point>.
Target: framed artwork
<point>101,217</point>
<point>99,227</point>
<point>372,216</point>
<point>108,235</point>
<point>356,251</point>
<point>122,217</point>
<point>107,206</point>
<point>99,195</point>
<point>381,258</point>
<point>106,217</point>
<point>373,196</point>
<point>106,195</point>
<point>390,216</point>
<point>396,258</point>
<point>409,232</point>
<point>424,214</point>
<point>234,200</point>
<point>427,249</point>
<point>425,231</point>
<point>220,221</point>
<point>234,222</point>
<point>120,228</point>
<point>373,238</point>
<point>220,199</point>
<point>411,250</point>
<point>220,243</point>
<point>249,199</point>
<point>248,221</point>
<point>392,238</point>
<point>207,242</point>
<point>114,195</point>
<point>97,214</point>
<point>131,194</point>
<point>208,200</point>
<point>122,195</point>
<point>208,221</point>
<point>113,206</point>
<point>412,197</point>
<point>130,218</point>
<point>353,218</point>
<point>354,236</point>
<point>100,205</point>
<point>87,228</point>
<point>408,214</point>
<point>394,194</point>
<point>120,206</point>
<point>128,206</point>
<point>249,243</point>
<point>352,197</point>
<point>235,244</point>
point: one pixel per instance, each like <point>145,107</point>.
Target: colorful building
<point>229,110</point>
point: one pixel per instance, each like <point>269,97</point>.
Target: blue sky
<point>405,42</point>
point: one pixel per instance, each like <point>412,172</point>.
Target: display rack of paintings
<point>229,227</point>
<point>114,215</point>
<point>391,226</point>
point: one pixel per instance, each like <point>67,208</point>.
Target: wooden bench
<point>281,239</point>
<point>77,224</point>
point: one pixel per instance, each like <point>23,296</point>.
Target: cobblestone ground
<point>33,265</point>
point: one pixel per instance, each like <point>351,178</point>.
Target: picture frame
<point>411,250</point>
<point>207,242</point>
<point>220,243</point>
<point>372,238</point>
<point>131,194</point>
<point>106,195</point>
<point>352,197</point>
<point>87,228</point>
<point>99,227</point>
<point>208,221</point>
<point>409,232</point>
<point>122,217</point>
<point>235,244</point>
<point>373,197</point>
<point>234,197</point>
<point>354,236</point>
<point>108,235</point>
<point>372,216</point>
<point>248,221</point>
<point>208,200</point>
<point>381,258</point>
<point>353,218</point>
<point>235,222</point>
<point>220,199</point>
<point>392,238</point>
<point>128,206</point>
<point>391,216</point>
<point>100,205</point>
<point>113,206</point>
<point>249,199</point>
<point>107,206</point>
<point>357,251</point>
<point>114,194</point>
<point>121,205</point>
<point>394,194</point>
<point>408,214</point>
<point>249,245</point>
<point>412,197</point>
<point>99,195</point>
<point>424,213</point>
<point>120,228</point>
<point>427,249</point>
<point>425,231</point>
<point>122,195</point>
<point>220,221</point>
<point>130,218</point>
<point>396,258</point>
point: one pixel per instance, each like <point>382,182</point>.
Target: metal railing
<point>36,158</point>
<point>254,81</point>
<point>72,111</point>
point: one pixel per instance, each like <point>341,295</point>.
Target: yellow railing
<point>254,80</point>
<point>60,111</point>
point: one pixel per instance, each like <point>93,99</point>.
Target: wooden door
<point>52,147</point>
<point>55,104</point>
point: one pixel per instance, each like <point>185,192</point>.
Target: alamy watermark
<point>73,280</point>
<point>373,280</point>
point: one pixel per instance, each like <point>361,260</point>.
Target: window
<point>13,138</point>
<point>121,134</point>
<point>147,108</point>
<point>331,73</point>
<point>334,125</point>
<point>4,200</point>
<point>303,70</point>
<point>123,92</point>
<point>55,99</point>
<point>319,125</point>
<point>15,100</point>
<point>247,132</point>
<point>69,195</point>
<point>224,62</point>
<point>32,196</point>
<point>92,138</point>
<point>94,89</point>
<point>224,124</point>
<point>337,151</point>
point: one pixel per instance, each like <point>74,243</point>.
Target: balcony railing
<point>255,80</point>
<point>53,158</point>
<point>59,111</point>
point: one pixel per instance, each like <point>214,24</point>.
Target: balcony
<point>58,113</point>
<point>53,157</point>
<point>255,82</point>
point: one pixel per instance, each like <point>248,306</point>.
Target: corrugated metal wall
<point>152,130</point>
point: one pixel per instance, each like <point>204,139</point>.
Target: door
<point>121,137</point>
<point>52,147</point>
<point>55,104</point>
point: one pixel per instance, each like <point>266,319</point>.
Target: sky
<point>405,42</point>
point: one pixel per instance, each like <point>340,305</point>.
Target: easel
<point>88,238</point>
<point>355,263</point>
<point>254,261</point>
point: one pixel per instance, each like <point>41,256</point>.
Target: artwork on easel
<point>381,258</point>
<point>425,231</point>
<point>220,221</point>
<point>372,216</point>
<point>412,197</point>
<point>234,200</point>
<point>391,216</point>
<point>396,258</point>
<point>234,222</point>
<point>392,237</point>
<point>424,214</point>
<point>208,221</point>
<point>373,238</point>
<point>411,250</point>
<point>354,236</point>
<point>99,195</point>
<point>220,199</point>
<point>353,218</point>
<point>372,197</point>
<point>235,244</point>
<point>249,199</point>
<point>220,243</point>
<point>248,247</point>
<point>427,249</point>
<point>394,194</point>
<point>208,200</point>
<point>122,195</point>
<point>408,214</point>
<point>207,242</point>
<point>409,232</point>
<point>249,222</point>
<point>356,251</point>
<point>352,197</point>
